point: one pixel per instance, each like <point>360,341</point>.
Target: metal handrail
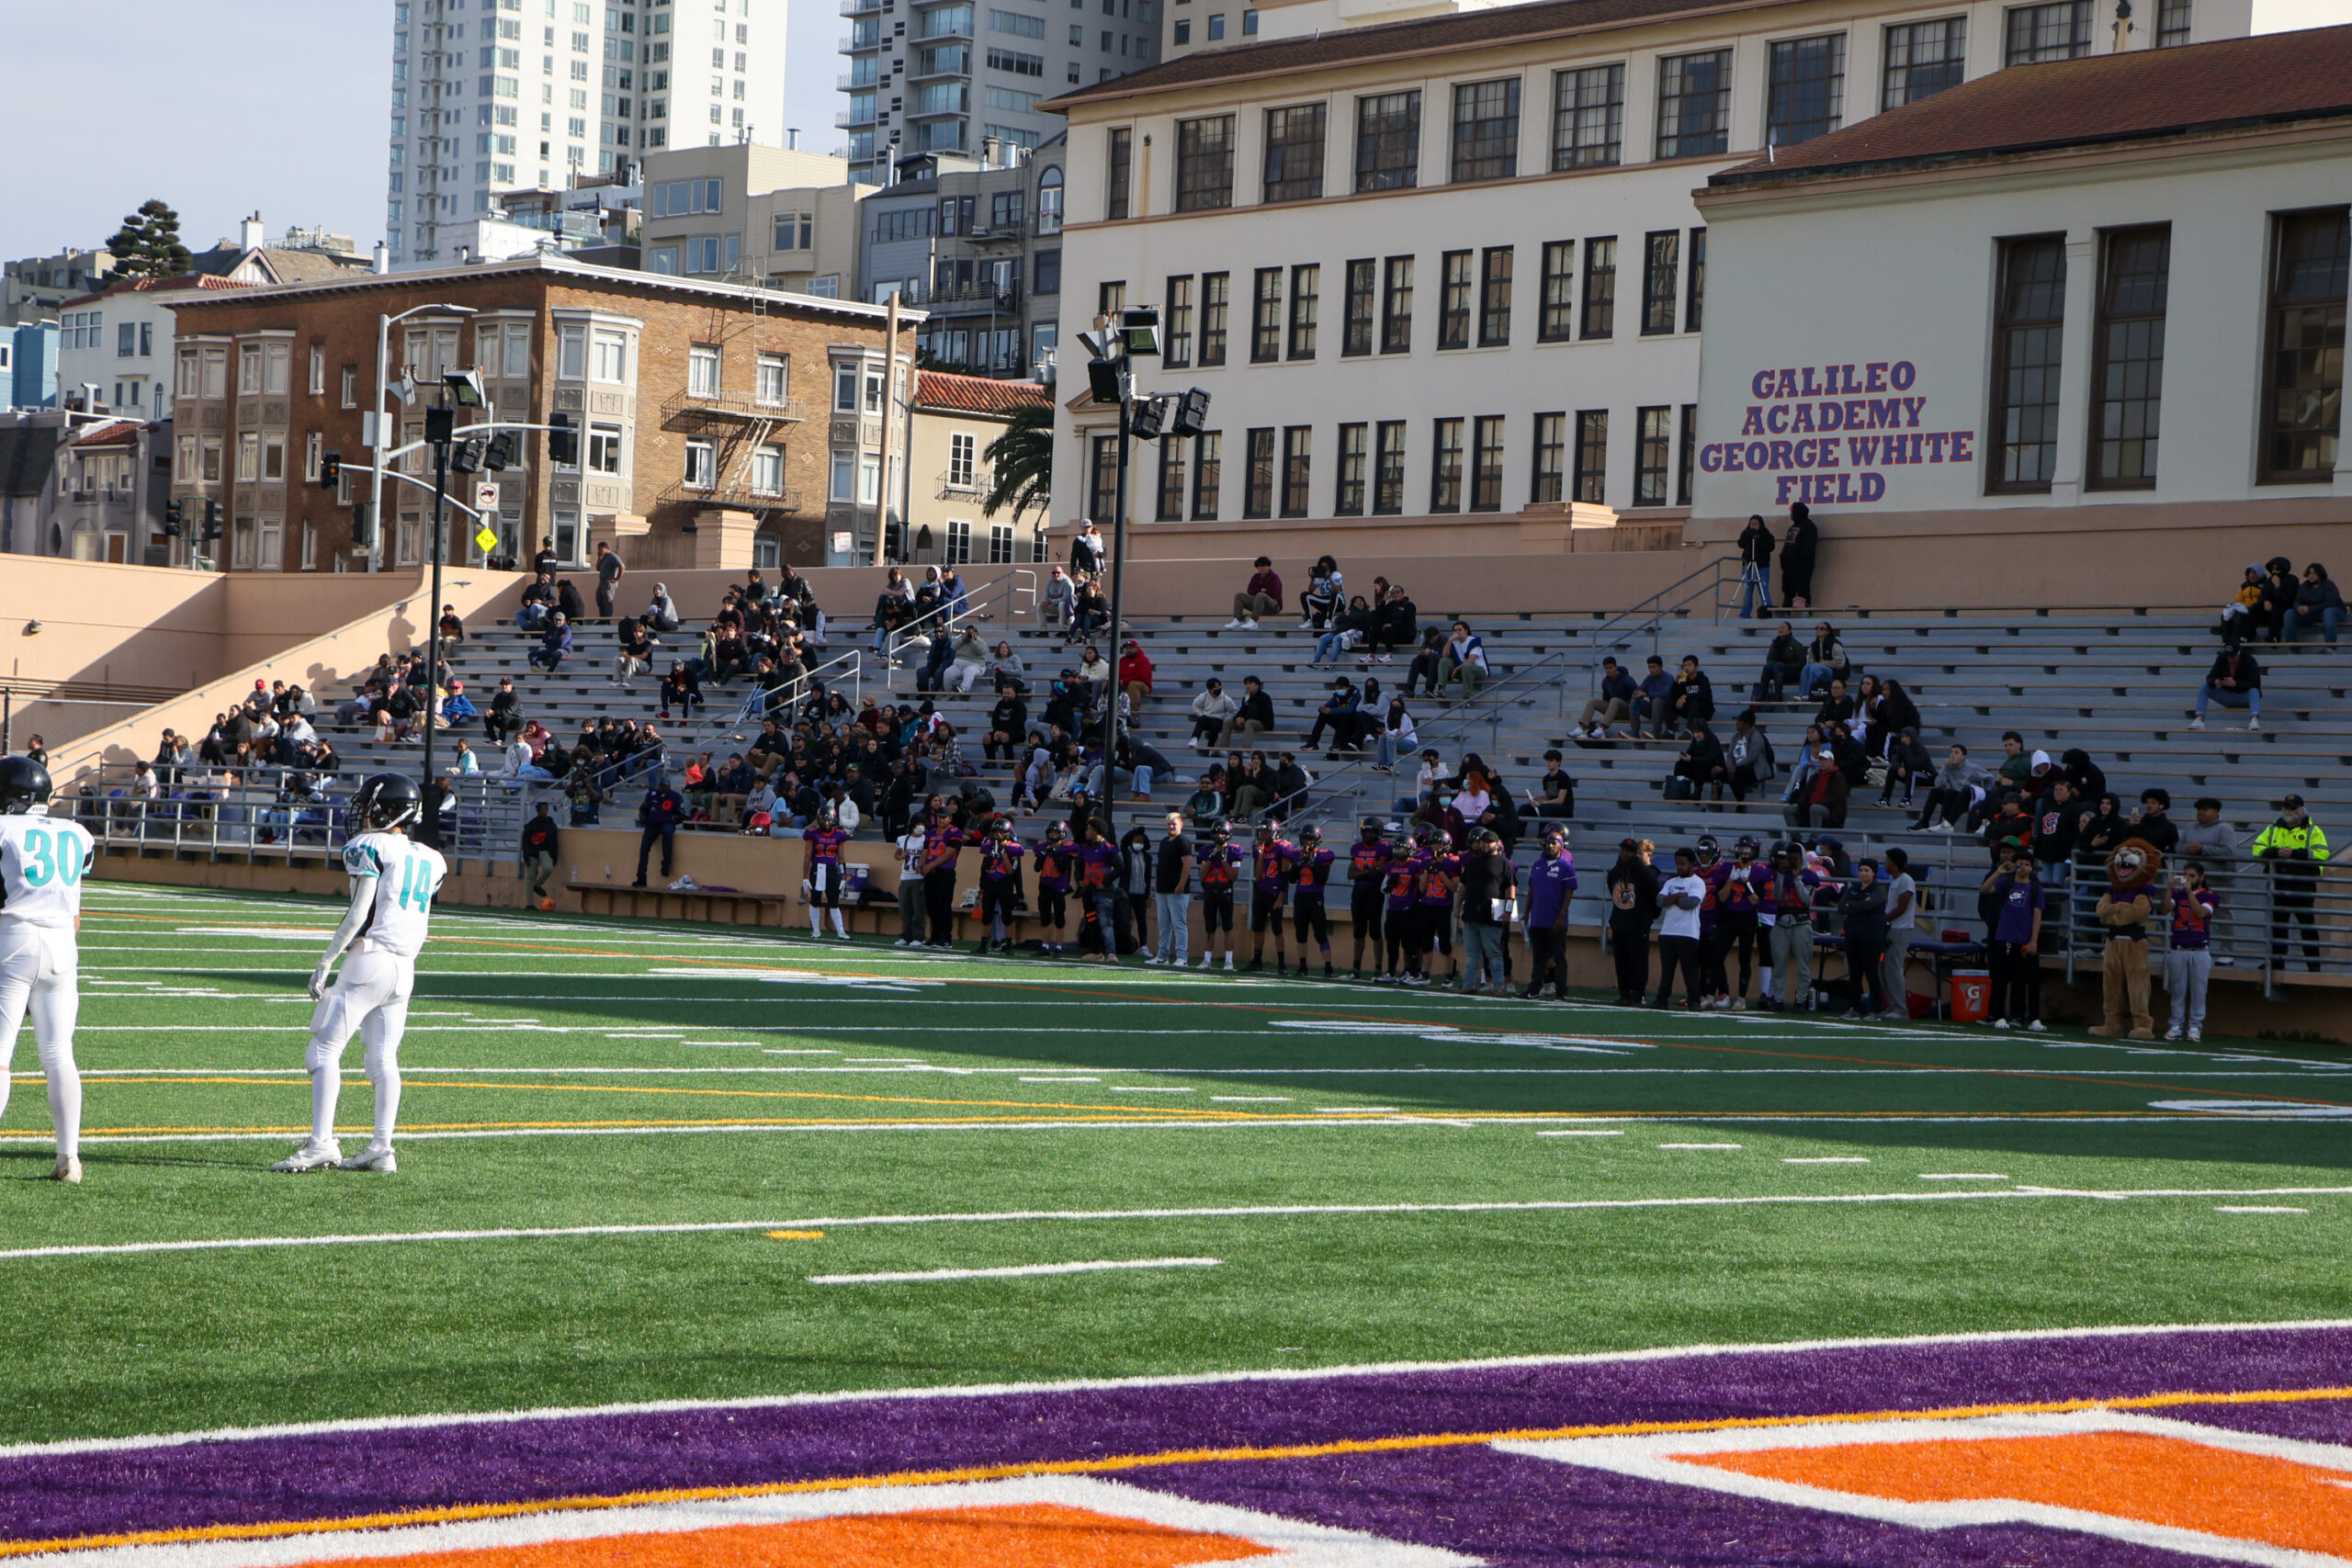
<point>1002,590</point>
<point>264,821</point>
<point>1652,613</point>
<point>757,704</point>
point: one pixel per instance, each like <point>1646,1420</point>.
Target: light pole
<point>384,325</point>
<point>440,430</point>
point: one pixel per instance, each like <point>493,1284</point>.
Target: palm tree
<point>1020,463</point>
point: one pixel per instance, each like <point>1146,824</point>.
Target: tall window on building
<point>2030,322</point>
<point>1119,173</point>
<point>1172,480</point>
<point>1305,296</point>
<point>1397,307</point>
<point>1388,141</point>
<point>1922,60</point>
<point>1588,117</point>
<point>1599,287</point>
<point>1549,481</point>
<point>1558,322</point>
<point>1363,284</point>
<point>1494,297</point>
<point>1205,164</point>
<point>1215,289</point>
<point>2302,409</point>
<point>775,379</point>
<point>1389,468</point>
<point>1652,452</point>
<point>1298,454</point>
<point>1694,299</point>
<point>1102,478</point>
<point>1659,255</point>
<point>1294,152</point>
<point>1348,495</point>
<point>1445,465</point>
<point>1694,103</point>
<point>2135,267</point>
<point>1454,301</point>
<point>1258,484</point>
<point>701,371</point>
<point>1208,469</point>
<point>2171,23</point>
<point>962,460</point>
<point>1805,95</point>
<point>1689,455</point>
<point>1592,454</point>
<point>1486,463</point>
<point>1266,316</point>
<point>1176,349</point>
<point>2060,30</point>
<point>1485,130</point>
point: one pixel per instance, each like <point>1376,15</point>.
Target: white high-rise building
<point>497,96</point>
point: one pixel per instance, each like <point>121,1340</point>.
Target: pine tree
<point>149,243</point>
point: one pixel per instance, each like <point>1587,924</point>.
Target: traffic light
<point>1191,414</point>
<point>563,441</point>
<point>211,521</point>
<point>467,455</point>
<point>1150,417</point>
<point>330,470</point>
<point>1108,379</point>
<point>173,517</point>
<point>505,451</point>
<point>363,531</point>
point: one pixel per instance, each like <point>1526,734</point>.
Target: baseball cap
<point>2292,803</point>
<point>1629,843</point>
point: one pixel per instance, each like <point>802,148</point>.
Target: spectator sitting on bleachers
<point>465,764</point>
<point>1464,659</point>
<point>967,661</point>
<point>633,654</point>
<point>2242,616</point>
<point>453,630</point>
<point>1337,714</point>
<point>1349,629</point>
<point>1059,600</point>
<point>555,645</point>
<point>1251,785</point>
<point>1784,663</point>
<point>1396,623</point>
<point>1654,702</point>
<point>1211,711</point>
<point>1750,754</point>
<point>1262,597</point>
<point>2318,602</point>
<point>2058,824</point>
<point>893,607</point>
<point>1090,613</point>
<point>568,601</point>
<point>456,708</point>
<point>1887,716</point>
<point>1320,601</point>
<point>1429,775</point>
<point>1006,668</point>
<point>1554,795</point>
<point>681,691</point>
<point>1613,702</point>
<point>1397,736</point>
<point>1008,723</point>
<point>538,604</point>
<point>1206,805</point>
<point>1095,671</point>
<point>1837,705</point>
<point>2088,779</point>
<point>1821,802</point>
<point>1255,716</point>
<point>1825,659</point>
<point>2280,592</point>
<point>1953,792</point>
<point>521,767</point>
<point>1907,763</point>
<point>1423,669</point>
<point>1135,675</point>
<point>1694,699</point>
<point>1703,763</point>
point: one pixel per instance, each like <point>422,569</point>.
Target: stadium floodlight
<point>464,389</point>
<point>1139,330</point>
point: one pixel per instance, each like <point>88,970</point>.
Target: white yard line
<point>1289,1211</point>
<point>1023,1271</point>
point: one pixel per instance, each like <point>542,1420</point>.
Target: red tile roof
<point>157,285</point>
<point>2236,84</point>
<point>1508,23</point>
<point>122,433</point>
<point>975,394</point>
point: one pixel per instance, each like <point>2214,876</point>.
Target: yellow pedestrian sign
<point>486,540</point>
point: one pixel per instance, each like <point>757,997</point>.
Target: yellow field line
<point>1114,1463</point>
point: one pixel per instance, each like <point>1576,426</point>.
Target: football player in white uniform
<point>42,862</point>
<point>393,880</point>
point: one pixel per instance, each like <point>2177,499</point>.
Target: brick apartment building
<point>718,426</point>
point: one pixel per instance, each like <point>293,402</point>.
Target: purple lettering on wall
<point>1810,400</point>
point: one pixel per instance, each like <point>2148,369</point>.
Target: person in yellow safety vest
<point>2297,848</point>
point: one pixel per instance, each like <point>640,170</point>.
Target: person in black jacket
<point>2280,592</point>
<point>1754,567</point>
<point>1798,546</point>
<point>540,846</point>
<point>567,600</point>
<point>1396,623</point>
<point>1783,666</point>
<point>657,815</point>
<point>504,719</point>
<point>1703,762</point>
<point>1633,884</point>
<point>1693,699</point>
<point>1008,722</point>
<point>2234,681</point>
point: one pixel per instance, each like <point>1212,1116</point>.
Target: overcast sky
<point>223,106</point>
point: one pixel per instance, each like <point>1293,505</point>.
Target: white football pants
<point>40,969</point>
<point>370,998</point>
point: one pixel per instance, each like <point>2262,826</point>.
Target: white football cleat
<point>2039,1027</point>
<point>69,1169</point>
<point>371,1159</point>
<point>310,1157</point>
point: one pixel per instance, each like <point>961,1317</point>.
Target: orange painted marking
<point>1114,1465</point>
<point>796,1235</point>
<point>1037,1535</point>
<point>2145,1476</point>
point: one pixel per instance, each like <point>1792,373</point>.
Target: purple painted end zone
<point>1502,1508</point>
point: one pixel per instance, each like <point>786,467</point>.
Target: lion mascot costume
<point>2132,898</point>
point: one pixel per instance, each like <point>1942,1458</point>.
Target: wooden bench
<point>707,906</point>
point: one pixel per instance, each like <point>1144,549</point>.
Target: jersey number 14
<point>416,884</point>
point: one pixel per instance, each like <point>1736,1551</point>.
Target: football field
<point>643,1163</point>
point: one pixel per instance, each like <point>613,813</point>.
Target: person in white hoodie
<point>1211,710</point>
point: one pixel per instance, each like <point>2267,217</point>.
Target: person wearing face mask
<point>2295,847</point>
<point>1863,907</point>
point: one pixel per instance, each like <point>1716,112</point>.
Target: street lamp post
<point>384,325</point>
<point>440,424</point>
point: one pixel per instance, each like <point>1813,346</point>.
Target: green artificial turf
<point>808,1085</point>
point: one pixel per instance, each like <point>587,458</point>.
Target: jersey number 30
<point>44,860</point>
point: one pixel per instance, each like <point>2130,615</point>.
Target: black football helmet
<point>1709,852</point>
<point>386,801</point>
<point>1372,828</point>
<point>24,783</point>
<point>1310,834</point>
